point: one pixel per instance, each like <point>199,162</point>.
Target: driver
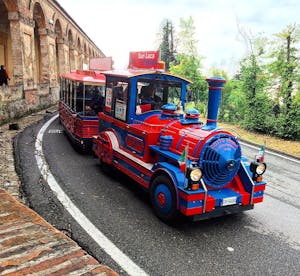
<point>148,96</point>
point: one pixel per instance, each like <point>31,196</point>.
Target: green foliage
<point>256,117</point>
<point>232,107</point>
<point>166,46</point>
<point>187,44</point>
<point>188,67</point>
<point>287,126</point>
<point>188,63</point>
<point>263,97</point>
<point>284,69</point>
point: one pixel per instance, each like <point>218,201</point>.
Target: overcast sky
<point>120,26</point>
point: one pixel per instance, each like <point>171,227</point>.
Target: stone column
<point>16,42</point>
<point>61,62</point>
<point>72,58</point>
<point>45,59</point>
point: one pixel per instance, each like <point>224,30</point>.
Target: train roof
<point>130,73</point>
<point>88,77</point>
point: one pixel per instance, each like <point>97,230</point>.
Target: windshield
<point>153,94</point>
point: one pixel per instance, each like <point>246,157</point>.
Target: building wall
<point>38,42</point>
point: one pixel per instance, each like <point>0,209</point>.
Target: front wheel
<point>163,198</point>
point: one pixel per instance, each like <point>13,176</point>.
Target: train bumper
<point>222,211</point>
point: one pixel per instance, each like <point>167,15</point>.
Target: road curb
<point>270,149</point>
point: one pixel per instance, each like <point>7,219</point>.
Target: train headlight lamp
<point>196,175</point>
<point>193,174</point>
<point>258,170</point>
<point>261,168</point>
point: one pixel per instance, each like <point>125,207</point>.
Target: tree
<point>284,68</point>
<point>253,82</point>
<point>187,43</point>
<point>188,63</point>
<point>166,46</point>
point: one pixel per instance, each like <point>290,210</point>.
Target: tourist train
<point>143,129</point>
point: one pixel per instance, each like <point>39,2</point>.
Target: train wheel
<point>163,198</point>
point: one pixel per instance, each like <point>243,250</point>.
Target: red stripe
<point>215,88</point>
<point>211,120</point>
<point>210,203</point>
<point>216,80</point>
<point>190,211</point>
<point>258,199</point>
<point>240,189</point>
<point>259,188</point>
<point>191,197</point>
<point>138,179</point>
<point>133,164</point>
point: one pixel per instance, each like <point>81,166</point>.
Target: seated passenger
<point>89,111</point>
<point>94,106</point>
<point>97,103</point>
<point>148,97</point>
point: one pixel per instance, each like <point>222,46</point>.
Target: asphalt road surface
<point>263,241</point>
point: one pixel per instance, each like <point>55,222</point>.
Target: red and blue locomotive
<point>187,166</point>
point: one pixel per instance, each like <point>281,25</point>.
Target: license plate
<point>229,201</point>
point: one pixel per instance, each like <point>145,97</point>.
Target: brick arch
<point>59,48</point>
<point>40,44</point>
<point>89,55</point>
<point>78,44</point>
<point>39,15</point>
<point>11,5</point>
<point>80,54</point>
<point>58,29</point>
<point>70,37</point>
<point>85,49</point>
<point>85,54</point>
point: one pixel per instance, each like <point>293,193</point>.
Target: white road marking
<point>55,131</point>
<point>116,254</point>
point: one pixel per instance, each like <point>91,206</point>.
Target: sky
<point>118,27</point>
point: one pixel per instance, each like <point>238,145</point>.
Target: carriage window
<point>62,88</point>
<point>73,95</point>
<point>116,98</point>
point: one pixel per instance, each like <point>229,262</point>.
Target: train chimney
<point>215,86</point>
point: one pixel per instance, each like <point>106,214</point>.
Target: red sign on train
<point>147,60</point>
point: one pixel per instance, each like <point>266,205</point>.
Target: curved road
<point>263,241</point>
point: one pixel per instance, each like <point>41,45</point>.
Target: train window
<point>174,93</point>
<point>94,99</point>
<point>153,94</point>
<point>116,98</point>
<point>73,95</point>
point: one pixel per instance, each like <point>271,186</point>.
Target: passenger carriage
<point>187,166</point>
<point>81,98</point>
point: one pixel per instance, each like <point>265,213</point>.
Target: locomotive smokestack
<point>215,86</point>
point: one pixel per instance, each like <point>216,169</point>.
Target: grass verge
<point>289,147</point>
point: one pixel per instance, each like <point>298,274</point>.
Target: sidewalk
<point>28,244</point>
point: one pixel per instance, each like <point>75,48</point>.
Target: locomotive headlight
<point>194,174</point>
<point>257,169</point>
<point>261,168</point>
